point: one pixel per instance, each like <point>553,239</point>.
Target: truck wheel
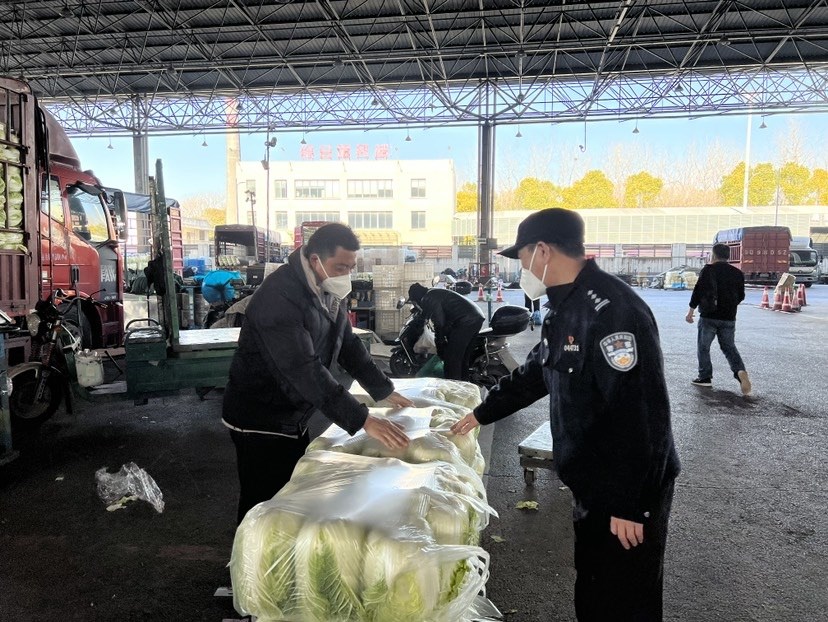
<point>27,414</point>
<point>808,284</point>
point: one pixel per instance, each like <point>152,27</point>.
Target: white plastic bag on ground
<point>358,539</point>
<point>130,481</point>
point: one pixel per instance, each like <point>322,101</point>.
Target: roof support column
<point>485,185</point>
<point>140,148</point>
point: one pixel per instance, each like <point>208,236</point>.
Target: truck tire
<point>25,414</point>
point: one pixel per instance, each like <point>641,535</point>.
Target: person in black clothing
<point>601,364</point>
<point>717,294</point>
<point>456,319</point>
<point>294,339</point>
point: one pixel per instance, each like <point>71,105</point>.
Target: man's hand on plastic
<point>399,401</point>
<point>689,317</point>
<point>629,534</point>
<point>387,432</point>
<point>466,424</point>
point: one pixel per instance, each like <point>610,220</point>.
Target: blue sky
<point>551,151</point>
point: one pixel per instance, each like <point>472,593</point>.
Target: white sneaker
<point>744,382</point>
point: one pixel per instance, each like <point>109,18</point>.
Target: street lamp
<point>269,144</point>
<point>251,198</point>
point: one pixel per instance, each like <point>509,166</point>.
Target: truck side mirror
<point>121,209</point>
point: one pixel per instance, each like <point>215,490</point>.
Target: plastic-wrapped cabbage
<point>12,241</point>
<point>15,181</point>
<point>9,154</point>
<point>460,397</point>
<point>428,429</point>
<point>351,538</point>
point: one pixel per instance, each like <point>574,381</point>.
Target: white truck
<point>804,262</point>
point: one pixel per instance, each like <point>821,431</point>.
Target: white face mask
<point>337,286</point>
<point>529,283</point>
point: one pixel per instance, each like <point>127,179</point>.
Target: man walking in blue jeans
<point>717,294</point>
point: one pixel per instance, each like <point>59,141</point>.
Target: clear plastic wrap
<point>428,429</point>
<point>130,481</point>
<point>354,538</point>
<point>452,394</point>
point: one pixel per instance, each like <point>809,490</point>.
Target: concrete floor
<point>748,540</point>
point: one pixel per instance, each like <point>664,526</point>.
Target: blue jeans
<point>726,332</point>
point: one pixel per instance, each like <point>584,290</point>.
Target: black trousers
<point>618,585</point>
<point>265,463</point>
<point>457,351</point>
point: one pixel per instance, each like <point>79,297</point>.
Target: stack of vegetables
<point>11,211</point>
<point>364,533</point>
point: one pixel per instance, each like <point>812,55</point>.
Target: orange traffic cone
<point>765,304</point>
<point>480,296</point>
<point>786,303</point>
<point>499,293</point>
<point>777,300</point>
<point>803,301</point>
<point>795,304</point>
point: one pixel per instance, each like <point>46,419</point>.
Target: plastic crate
<point>386,299</point>
<point>421,272</point>
<point>387,276</point>
<point>387,323</point>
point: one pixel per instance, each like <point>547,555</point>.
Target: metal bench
<point>536,452</point>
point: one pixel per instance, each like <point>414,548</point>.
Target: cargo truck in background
<point>761,253</point>
<point>804,261</point>
<point>61,237</point>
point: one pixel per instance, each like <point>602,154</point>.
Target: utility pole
<point>251,198</point>
<point>269,144</point>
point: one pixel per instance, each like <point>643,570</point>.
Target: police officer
<point>600,363</point>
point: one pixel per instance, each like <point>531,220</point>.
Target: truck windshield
<point>803,258</point>
<point>88,216</point>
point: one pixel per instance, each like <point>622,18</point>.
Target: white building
<point>387,202</point>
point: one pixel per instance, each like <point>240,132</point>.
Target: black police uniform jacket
<point>601,364</point>
<point>281,373</point>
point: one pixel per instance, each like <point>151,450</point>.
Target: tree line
<point>789,184</point>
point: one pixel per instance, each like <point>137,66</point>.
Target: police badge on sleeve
<point>620,351</point>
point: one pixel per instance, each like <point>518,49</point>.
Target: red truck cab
<point>69,236</point>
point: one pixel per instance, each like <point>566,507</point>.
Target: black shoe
<point>703,382</point>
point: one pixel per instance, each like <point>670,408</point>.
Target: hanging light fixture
<point>407,136</point>
<point>763,126</point>
<point>204,142</point>
<point>109,146</point>
<point>635,130</point>
<point>518,135</point>
<point>303,141</point>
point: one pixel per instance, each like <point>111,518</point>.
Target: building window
<point>371,220</point>
<point>316,188</point>
<point>281,219</point>
<point>418,188</point>
<point>370,189</point>
<point>418,220</point>
<point>280,188</point>
<point>316,216</point>
<point>250,185</point>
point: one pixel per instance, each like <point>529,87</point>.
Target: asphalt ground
<point>748,537</point>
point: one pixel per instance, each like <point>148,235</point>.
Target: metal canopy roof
<point>202,65</point>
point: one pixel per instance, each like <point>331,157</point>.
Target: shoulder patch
<point>598,302</point>
<point>620,351</point>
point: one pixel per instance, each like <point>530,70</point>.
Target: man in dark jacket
<point>600,362</point>
<point>717,294</point>
<point>295,335</point>
<point>456,319</point>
